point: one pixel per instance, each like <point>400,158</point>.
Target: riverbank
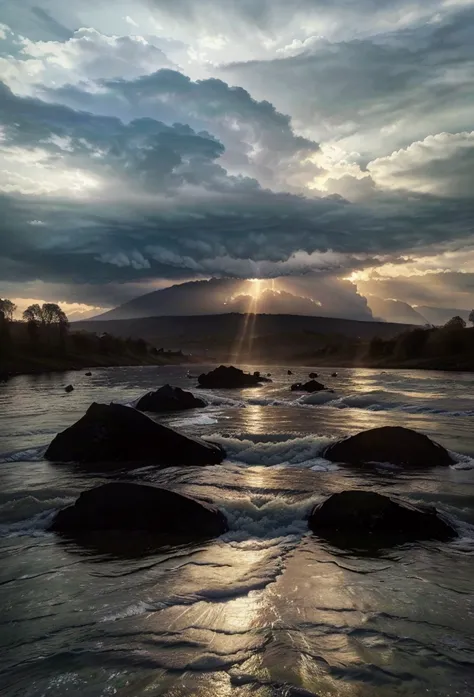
<point>35,365</point>
<point>463,364</point>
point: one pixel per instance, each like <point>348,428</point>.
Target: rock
<point>130,507</point>
<point>313,376</point>
<point>311,386</point>
<point>88,374</point>
<point>334,375</point>
<point>169,398</point>
<point>68,388</point>
<point>394,444</point>
<point>269,375</point>
<point>230,377</point>
<point>290,373</point>
<point>365,518</point>
<point>113,433</point>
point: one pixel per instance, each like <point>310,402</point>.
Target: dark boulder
<point>313,376</point>
<point>124,506</point>
<point>311,386</point>
<point>229,377</point>
<point>393,444</point>
<point>334,375</point>
<point>169,398</point>
<point>69,388</point>
<point>357,519</point>
<point>113,433</point>
<point>289,372</point>
<point>88,374</point>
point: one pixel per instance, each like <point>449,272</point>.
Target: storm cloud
<point>152,142</point>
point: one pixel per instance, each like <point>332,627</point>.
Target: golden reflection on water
<point>254,418</point>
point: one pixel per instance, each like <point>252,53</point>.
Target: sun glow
<point>255,288</point>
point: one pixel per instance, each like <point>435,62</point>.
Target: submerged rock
<point>365,518</point>
<point>311,386</point>
<point>113,433</point>
<point>68,388</point>
<point>393,444</point>
<point>130,507</point>
<point>169,398</point>
<point>229,377</point>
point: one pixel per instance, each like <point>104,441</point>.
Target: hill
<point>217,296</point>
<point>254,338</point>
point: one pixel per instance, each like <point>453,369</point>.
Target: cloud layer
<point>144,143</point>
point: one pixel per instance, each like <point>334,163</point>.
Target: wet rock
<point>169,398</point>
<point>334,375</point>
<point>312,376</point>
<point>113,433</point>
<point>229,377</point>
<point>311,386</point>
<point>135,507</point>
<point>289,372</point>
<point>88,374</point>
<point>393,444</point>
<point>68,388</point>
<point>358,519</point>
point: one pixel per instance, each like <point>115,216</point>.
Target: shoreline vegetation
<point>43,342</point>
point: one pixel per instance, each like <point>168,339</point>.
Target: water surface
<point>268,609</point>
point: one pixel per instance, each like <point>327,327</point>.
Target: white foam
<point>217,400</point>
<point>377,400</point>
<point>301,451</point>
<point>268,402</point>
<point>266,518</point>
<point>463,462</point>
<point>24,507</point>
<point>30,455</point>
<point>31,527</point>
<point>199,420</point>
<point>140,608</point>
<point>317,398</point>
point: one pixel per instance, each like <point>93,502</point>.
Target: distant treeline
<point>450,347</point>
<point>452,340</point>
<point>44,341</point>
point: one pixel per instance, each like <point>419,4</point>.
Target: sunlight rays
<point>253,288</point>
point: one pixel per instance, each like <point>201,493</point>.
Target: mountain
<point>320,297</point>
<point>440,315</point>
<point>193,298</point>
<point>395,311</point>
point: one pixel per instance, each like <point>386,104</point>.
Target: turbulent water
<point>267,609</point>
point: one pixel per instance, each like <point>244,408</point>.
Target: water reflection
<point>254,419</point>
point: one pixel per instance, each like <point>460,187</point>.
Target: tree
<point>7,308</point>
<point>455,323</point>
<point>5,339</point>
<point>471,316</point>
<point>53,314</point>
<point>46,316</point>
<point>33,317</point>
<point>34,314</point>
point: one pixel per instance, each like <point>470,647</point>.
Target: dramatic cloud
<point>143,143</point>
<point>87,55</point>
<point>377,93</point>
<point>440,164</point>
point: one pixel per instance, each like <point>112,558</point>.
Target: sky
<point>149,142</point>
